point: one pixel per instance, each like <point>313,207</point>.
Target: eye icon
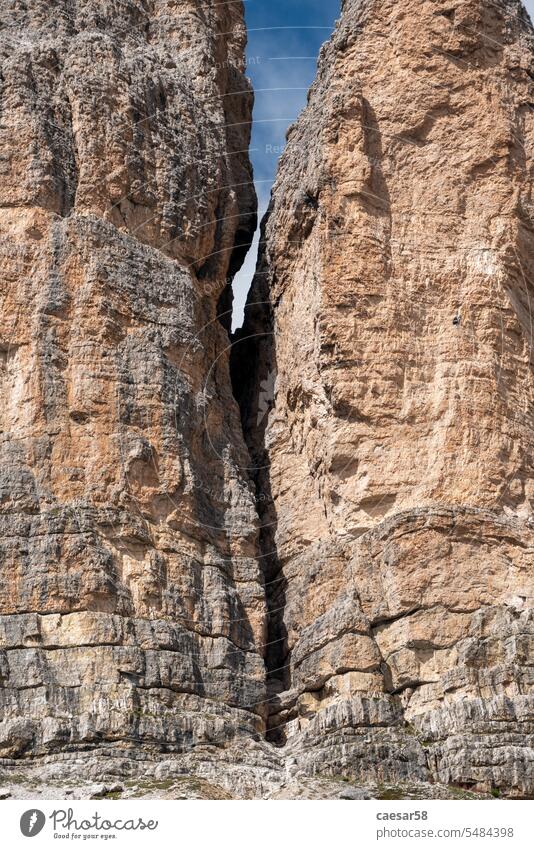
<point>32,822</point>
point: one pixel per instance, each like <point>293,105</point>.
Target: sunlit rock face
<point>131,597</point>
<point>386,383</point>
<point>374,622</point>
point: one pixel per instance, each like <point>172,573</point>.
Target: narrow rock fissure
<point>250,366</point>
<point>245,363</point>
<point>244,533</point>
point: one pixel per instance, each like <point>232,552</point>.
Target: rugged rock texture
<point>382,614</point>
<point>387,389</point>
<point>204,773</point>
<point>131,597</point>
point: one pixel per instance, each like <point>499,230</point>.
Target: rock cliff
<point>346,592</point>
<point>386,382</point>
<point>131,594</point>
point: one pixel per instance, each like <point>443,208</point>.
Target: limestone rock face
<point>131,597</point>
<point>374,621</point>
<point>387,389</point>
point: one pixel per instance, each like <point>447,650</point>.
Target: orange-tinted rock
<point>131,596</point>
<point>389,407</point>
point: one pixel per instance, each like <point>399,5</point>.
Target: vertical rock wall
<point>386,382</point>
<point>384,375</point>
<point>131,599</point>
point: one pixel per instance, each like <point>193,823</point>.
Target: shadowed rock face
<point>388,396</point>
<point>131,596</point>
<point>386,390</point>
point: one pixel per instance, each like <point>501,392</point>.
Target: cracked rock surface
<point>387,396</point>
<point>131,596</point>
<point>354,618</point>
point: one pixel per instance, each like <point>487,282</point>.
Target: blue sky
<point>284,39</point>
